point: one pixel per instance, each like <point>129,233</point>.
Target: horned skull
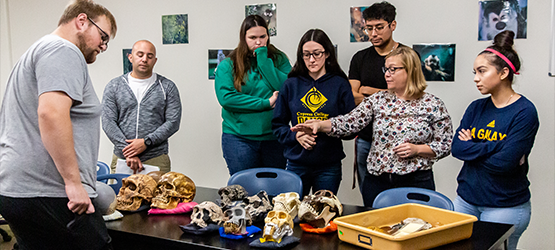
<point>258,205</point>
<point>134,190</point>
<point>288,202</point>
<point>230,194</point>
<point>173,188</point>
<point>205,213</point>
<point>278,224</point>
<point>236,220</point>
<point>320,208</point>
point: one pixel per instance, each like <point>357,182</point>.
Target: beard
<point>88,53</point>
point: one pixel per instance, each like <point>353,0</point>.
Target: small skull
<point>258,205</point>
<point>288,202</point>
<point>231,193</point>
<point>205,213</point>
<point>237,220</point>
<point>278,224</point>
<point>320,208</point>
<point>134,190</point>
<point>173,188</point>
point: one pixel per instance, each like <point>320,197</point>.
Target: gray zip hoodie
<point>157,117</point>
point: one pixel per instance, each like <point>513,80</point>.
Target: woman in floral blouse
<point>412,128</point>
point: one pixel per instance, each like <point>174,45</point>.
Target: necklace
<point>394,46</point>
<point>509,99</point>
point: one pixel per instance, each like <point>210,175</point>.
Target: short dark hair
<point>320,37</point>
<point>377,11</point>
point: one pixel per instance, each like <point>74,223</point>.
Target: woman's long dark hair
<point>240,55</point>
<point>320,37</point>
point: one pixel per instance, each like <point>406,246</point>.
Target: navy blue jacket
<point>303,98</point>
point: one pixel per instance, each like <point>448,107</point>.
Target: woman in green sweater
<point>247,85</point>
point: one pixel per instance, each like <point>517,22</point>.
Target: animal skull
<point>173,188</point>
<point>237,220</point>
<point>320,208</point>
<point>134,190</point>
<point>278,224</point>
<point>258,205</point>
<point>231,193</point>
<point>205,213</point>
<point>288,202</point>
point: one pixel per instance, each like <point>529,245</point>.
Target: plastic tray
<point>453,227</point>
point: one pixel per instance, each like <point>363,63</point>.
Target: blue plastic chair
<point>102,168</point>
<point>396,196</point>
<point>118,180</point>
<point>272,180</point>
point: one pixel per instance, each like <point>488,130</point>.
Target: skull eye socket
<point>132,186</point>
<point>282,215</point>
<point>272,214</point>
<point>256,204</point>
<point>228,213</point>
<point>168,186</point>
<point>238,212</point>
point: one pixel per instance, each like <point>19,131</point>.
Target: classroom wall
<point>214,24</point>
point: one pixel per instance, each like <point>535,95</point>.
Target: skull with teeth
<point>205,213</point>
<point>134,190</point>
<point>236,220</point>
<point>320,208</point>
<point>230,194</point>
<point>173,188</point>
<point>258,205</point>
<point>288,202</point>
<point>278,224</point>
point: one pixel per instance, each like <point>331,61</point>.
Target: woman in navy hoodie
<point>317,88</point>
<point>494,140</point>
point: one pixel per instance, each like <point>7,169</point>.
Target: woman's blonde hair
<point>416,83</point>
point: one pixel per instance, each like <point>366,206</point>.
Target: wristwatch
<point>148,141</point>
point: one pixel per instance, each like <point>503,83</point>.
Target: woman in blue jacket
<point>494,140</point>
<point>317,88</point>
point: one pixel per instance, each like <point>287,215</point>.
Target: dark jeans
<point>241,153</point>
<point>319,177</point>
<point>47,223</point>
<point>373,185</point>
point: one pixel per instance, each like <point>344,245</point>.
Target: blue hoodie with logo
<point>303,98</point>
<point>495,167</point>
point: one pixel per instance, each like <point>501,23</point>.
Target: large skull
<point>320,208</point>
<point>231,193</point>
<point>134,190</point>
<point>288,202</point>
<point>278,224</point>
<point>258,205</point>
<point>173,188</point>
<point>237,220</point>
<point>205,213</point>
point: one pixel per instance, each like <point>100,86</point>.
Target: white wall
<point>195,149</point>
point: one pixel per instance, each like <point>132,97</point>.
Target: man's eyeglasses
<point>315,54</point>
<point>378,28</point>
<point>391,69</point>
<point>103,35</point>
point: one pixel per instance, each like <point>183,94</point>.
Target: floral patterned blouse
<point>421,121</point>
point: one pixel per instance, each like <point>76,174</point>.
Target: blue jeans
<point>240,153</point>
<point>318,177</point>
<point>517,215</point>
<point>363,149</point>
<point>374,185</point>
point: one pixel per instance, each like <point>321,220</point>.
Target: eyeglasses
<point>315,54</point>
<point>391,69</point>
<point>378,28</point>
<point>103,35</point>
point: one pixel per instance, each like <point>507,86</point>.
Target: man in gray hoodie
<point>140,111</point>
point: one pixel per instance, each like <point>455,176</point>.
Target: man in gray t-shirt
<point>49,136</point>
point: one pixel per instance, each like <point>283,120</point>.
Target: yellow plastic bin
<point>453,227</point>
